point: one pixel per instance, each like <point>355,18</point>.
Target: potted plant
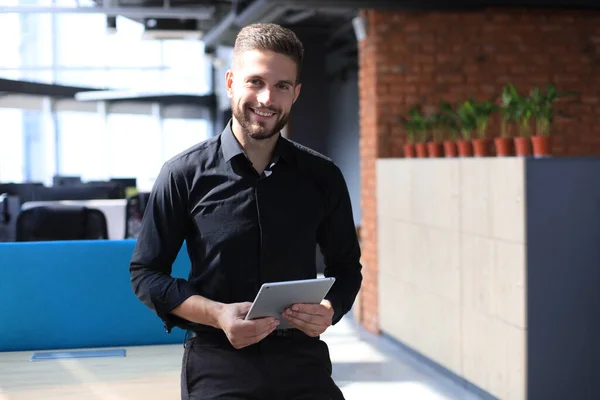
<point>422,133</point>
<point>409,147</point>
<point>436,124</point>
<point>543,110</point>
<point>508,110</point>
<point>525,109</point>
<point>482,110</point>
<point>467,124</point>
<point>418,126</point>
<point>449,122</point>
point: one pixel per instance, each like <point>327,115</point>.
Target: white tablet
<point>273,298</point>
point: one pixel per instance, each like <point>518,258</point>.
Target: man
<point>251,207</point>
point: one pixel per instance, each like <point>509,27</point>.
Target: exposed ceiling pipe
<point>202,13</point>
<point>300,16</point>
<point>226,29</point>
<point>253,12</point>
<point>212,37</point>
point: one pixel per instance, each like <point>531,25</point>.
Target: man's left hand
<point>312,319</point>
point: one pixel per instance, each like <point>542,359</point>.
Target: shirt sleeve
<point>340,248</point>
<point>164,227</point>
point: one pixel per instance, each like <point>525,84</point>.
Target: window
<point>12,166</point>
<point>77,50</point>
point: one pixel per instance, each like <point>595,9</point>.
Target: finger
<point>308,318</point>
<point>249,340</point>
<point>308,328</point>
<point>257,327</point>
<point>243,308</point>
<point>314,309</point>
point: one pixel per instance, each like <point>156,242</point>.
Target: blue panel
<point>65,295</point>
<point>61,355</point>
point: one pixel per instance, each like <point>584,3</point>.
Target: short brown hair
<point>270,37</point>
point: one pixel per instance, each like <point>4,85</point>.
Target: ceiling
<point>217,22</point>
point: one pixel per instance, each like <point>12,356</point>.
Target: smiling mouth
<point>263,113</point>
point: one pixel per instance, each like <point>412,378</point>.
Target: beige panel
<point>452,266</point>
<point>475,196</point>
<point>386,251</point>
<point>392,310</point>
<point>482,349</point>
<point>400,318</point>
<point>440,273</point>
<point>517,363</point>
<point>507,191</point>
<point>404,250</point>
<point>477,255</point>
<point>493,355</point>
<point>384,183</point>
<point>508,283</point>
<point>393,188</point>
<point>435,193</point>
<point>403,174</point>
<point>428,323</point>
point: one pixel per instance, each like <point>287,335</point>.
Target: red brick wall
<point>424,57</point>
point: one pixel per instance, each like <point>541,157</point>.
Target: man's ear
<point>229,83</point>
<point>297,91</point>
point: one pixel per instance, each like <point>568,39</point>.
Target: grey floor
<point>371,367</point>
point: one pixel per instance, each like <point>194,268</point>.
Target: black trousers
<point>295,367</point>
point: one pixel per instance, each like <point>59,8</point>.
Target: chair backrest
<point>136,205</point>
<point>61,222</point>
<point>9,209</point>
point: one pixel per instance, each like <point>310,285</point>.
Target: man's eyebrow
<point>279,83</point>
<point>286,82</point>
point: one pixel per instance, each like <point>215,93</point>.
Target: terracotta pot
<point>450,149</point>
<point>421,150</point>
<point>465,148</point>
<point>541,146</point>
<point>481,147</point>
<point>522,146</point>
<point>434,149</point>
<point>504,147</point>
<point>409,150</point>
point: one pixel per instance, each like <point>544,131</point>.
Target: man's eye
<point>254,82</point>
<point>284,87</point>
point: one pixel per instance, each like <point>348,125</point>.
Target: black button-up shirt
<point>243,229</point>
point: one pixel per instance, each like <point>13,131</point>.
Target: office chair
<point>61,222</point>
<point>136,205</point>
<point>9,209</point>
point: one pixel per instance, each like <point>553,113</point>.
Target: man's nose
<point>265,97</point>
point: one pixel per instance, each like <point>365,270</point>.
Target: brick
<point>588,99</point>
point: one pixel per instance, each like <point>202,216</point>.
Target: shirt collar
<point>232,148</point>
<point>229,144</point>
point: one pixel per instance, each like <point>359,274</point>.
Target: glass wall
<point>12,167</point>
<point>78,50</point>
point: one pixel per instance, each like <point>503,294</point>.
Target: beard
<point>258,130</point>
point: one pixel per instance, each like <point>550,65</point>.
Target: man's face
<point>262,88</point>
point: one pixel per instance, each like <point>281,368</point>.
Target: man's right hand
<point>242,333</point>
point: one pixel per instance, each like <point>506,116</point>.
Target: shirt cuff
<point>338,309</point>
<point>170,298</point>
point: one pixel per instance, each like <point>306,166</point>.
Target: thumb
<point>243,308</point>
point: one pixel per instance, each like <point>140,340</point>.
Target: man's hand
<point>242,333</point>
<point>312,319</point>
